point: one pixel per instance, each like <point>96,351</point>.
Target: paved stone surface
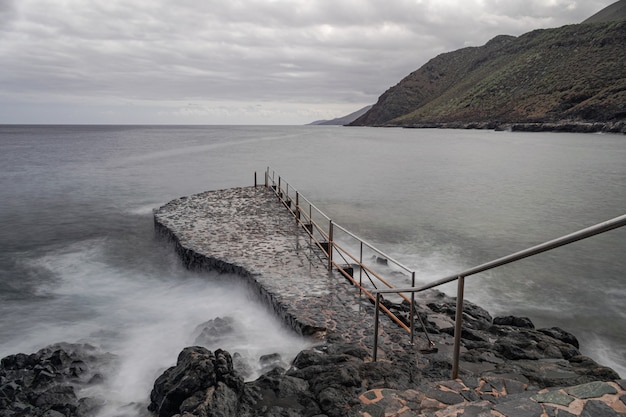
<point>591,390</point>
<point>432,399</point>
<point>248,231</point>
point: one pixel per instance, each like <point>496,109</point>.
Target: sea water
<point>79,260</point>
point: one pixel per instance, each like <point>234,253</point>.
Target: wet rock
<point>241,366</point>
<point>202,383</point>
<point>214,331</point>
<point>45,383</point>
<point>514,321</point>
<point>278,394</point>
<point>271,361</point>
<point>562,335</point>
<point>325,380</point>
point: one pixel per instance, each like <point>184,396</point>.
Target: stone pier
<point>508,368</point>
<point>248,232</point>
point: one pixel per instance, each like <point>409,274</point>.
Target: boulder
<point>523,322</point>
<point>562,335</point>
<point>202,384</point>
<point>45,383</point>
<point>214,331</point>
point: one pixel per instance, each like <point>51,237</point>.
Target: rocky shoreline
<point>337,379</point>
<point>48,383</point>
<point>563,126</point>
<point>508,367</point>
<point>333,378</point>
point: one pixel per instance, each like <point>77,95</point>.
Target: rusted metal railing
<point>460,277</point>
<point>322,231</point>
<point>324,235</point>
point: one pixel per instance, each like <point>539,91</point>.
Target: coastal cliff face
<point>570,75</point>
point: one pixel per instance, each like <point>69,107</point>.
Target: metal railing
<point>325,240</point>
<point>460,277</point>
<point>369,270</point>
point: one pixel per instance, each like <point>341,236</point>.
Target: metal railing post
<point>297,207</point>
<point>330,245</point>
<point>377,306</point>
<point>361,267</point>
<point>458,326</point>
<point>412,313</point>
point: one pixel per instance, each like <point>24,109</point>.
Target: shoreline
<point>562,126</point>
<point>505,347</point>
<point>246,231</point>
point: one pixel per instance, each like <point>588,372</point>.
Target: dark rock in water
<point>328,380</point>
<point>202,383</point>
<point>277,394</point>
<point>523,322</point>
<point>322,381</point>
<point>214,331</point>
<point>45,383</point>
<point>269,362</point>
<point>241,366</point>
<point>562,335</point>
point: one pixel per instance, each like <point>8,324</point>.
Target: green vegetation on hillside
<point>573,74</point>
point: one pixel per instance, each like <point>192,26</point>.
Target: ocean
<point>80,262</point>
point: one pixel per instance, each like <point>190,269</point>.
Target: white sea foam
<point>144,319</point>
<point>606,353</point>
<point>143,209</point>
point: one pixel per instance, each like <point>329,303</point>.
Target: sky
<point>280,62</point>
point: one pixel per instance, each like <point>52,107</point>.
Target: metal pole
<point>330,245</point>
<point>297,207</point>
<point>361,268</point>
<point>266,175</point>
<point>254,179</point>
<point>375,355</point>
<point>412,314</point>
<point>458,323</point>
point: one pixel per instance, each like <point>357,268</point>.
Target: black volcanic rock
<point>328,379</point>
<point>45,383</point>
<point>202,383</point>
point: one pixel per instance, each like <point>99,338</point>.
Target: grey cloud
<point>323,51</point>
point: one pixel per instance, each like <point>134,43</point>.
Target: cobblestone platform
<point>248,232</point>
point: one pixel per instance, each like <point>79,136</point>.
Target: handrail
<point>304,217</point>
<point>328,247</point>
<point>369,245</point>
<point>588,232</point>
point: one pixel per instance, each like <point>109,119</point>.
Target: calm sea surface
<point>79,261</point>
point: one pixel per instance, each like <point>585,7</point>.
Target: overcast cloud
<point>235,61</point>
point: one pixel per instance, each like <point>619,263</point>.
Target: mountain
<point>345,119</point>
<point>568,78</point>
<point>614,12</point>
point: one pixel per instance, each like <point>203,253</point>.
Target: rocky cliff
<point>569,76</point>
